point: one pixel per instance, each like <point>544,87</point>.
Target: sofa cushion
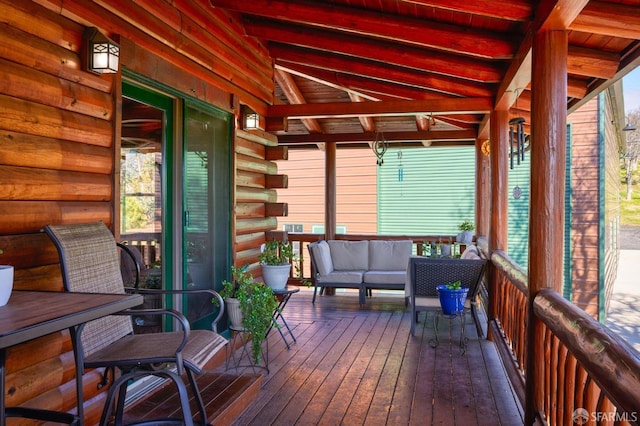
<point>386,277</point>
<point>389,255</point>
<point>322,257</point>
<point>471,252</point>
<point>349,255</point>
<point>341,277</point>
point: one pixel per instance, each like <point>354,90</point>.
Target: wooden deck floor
<point>362,366</point>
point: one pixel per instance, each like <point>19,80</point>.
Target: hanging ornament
<point>517,192</point>
<point>400,168</point>
<point>379,147</point>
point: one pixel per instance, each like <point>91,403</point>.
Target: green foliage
<point>630,209</point>
<point>257,303</point>
<point>467,225</point>
<point>456,285</point>
<point>276,252</point>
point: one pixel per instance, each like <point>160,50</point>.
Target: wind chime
<point>516,136</point>
<point>516,144</point>
<point>379,147</point>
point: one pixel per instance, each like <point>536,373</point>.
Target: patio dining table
<point>32,314</point>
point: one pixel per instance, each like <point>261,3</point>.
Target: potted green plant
<point>275,258</point>
<point>250,306</point>
<point>466,234</point>
<point>452,297</point>
<point>6,282</point>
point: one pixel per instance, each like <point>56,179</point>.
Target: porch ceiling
<point>425,71</point>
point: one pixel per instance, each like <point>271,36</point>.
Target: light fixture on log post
<point>102,53</point>
<point>250,118</point>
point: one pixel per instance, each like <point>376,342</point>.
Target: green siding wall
<point>518,227</point>
<point>426,190</point>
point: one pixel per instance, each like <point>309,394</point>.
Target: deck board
<point>354,365</point>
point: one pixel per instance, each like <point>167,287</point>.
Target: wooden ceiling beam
<point>360,84</point>
<point>379,70</point>
<point>294,96</point>
<point>367,123</point>
<point>420,32</point>
<point>431,135</point>
<point>592,63</point>
<point>322,77</point>
<point>605,18</point>
<point>549,14</point>
<point>512,10</point>
<point>393,108</point>
<point>378,50</point>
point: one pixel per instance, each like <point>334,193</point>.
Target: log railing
<point>587,370</point>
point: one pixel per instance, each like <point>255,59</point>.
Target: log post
<point>546,217</point>
<point>483,191</point>
<point>498,229</point>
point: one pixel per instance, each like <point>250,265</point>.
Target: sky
<point>631,89</point>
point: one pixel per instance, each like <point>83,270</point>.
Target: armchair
<point>89,260</point>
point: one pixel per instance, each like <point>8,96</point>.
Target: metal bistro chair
<point>90,262</point>
<point>425,274</point>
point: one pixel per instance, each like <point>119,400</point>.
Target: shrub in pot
<point>466,234</point>
<point>275,258</point>
<point>256,303</point>
<point>452,297</point>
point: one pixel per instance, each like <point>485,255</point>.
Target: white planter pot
<point>6,283</point>
<point>234,312</point>
<point>276,276</point>
<point>465,237</point>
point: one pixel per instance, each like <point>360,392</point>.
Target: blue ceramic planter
<point>452,301</point>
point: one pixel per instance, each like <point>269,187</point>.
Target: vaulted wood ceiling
<point>425,71</point>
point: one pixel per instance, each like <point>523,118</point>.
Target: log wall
<point>59,137</point>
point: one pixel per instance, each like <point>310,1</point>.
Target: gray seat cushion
<point>341,277</point>
<point>386,277</point>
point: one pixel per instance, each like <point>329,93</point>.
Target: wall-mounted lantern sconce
<point>103,54</point>
<point>250,118</point>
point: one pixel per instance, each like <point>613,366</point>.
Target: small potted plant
<point>275,258</point>
<point>6,282</point>
<point>466,234</point>
<point>452,297</point>
<point>250,306</point>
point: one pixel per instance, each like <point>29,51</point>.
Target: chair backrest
<point>428,273</point>
<point>90,263</point>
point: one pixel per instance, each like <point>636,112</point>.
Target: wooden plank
<point>21,82</point>
<point>48,185</point>
<point>33,118</point>
<point>21,217</point>
<point>21,149</point>
<point>40,54</point>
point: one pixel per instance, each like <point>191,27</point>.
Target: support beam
<point>432,135</point>
<point>604,18</point>
<point>330,191</point>
<point>294,96</point>
<point>398,108</point>
<point>512,10</point>
<point>546,222</point>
